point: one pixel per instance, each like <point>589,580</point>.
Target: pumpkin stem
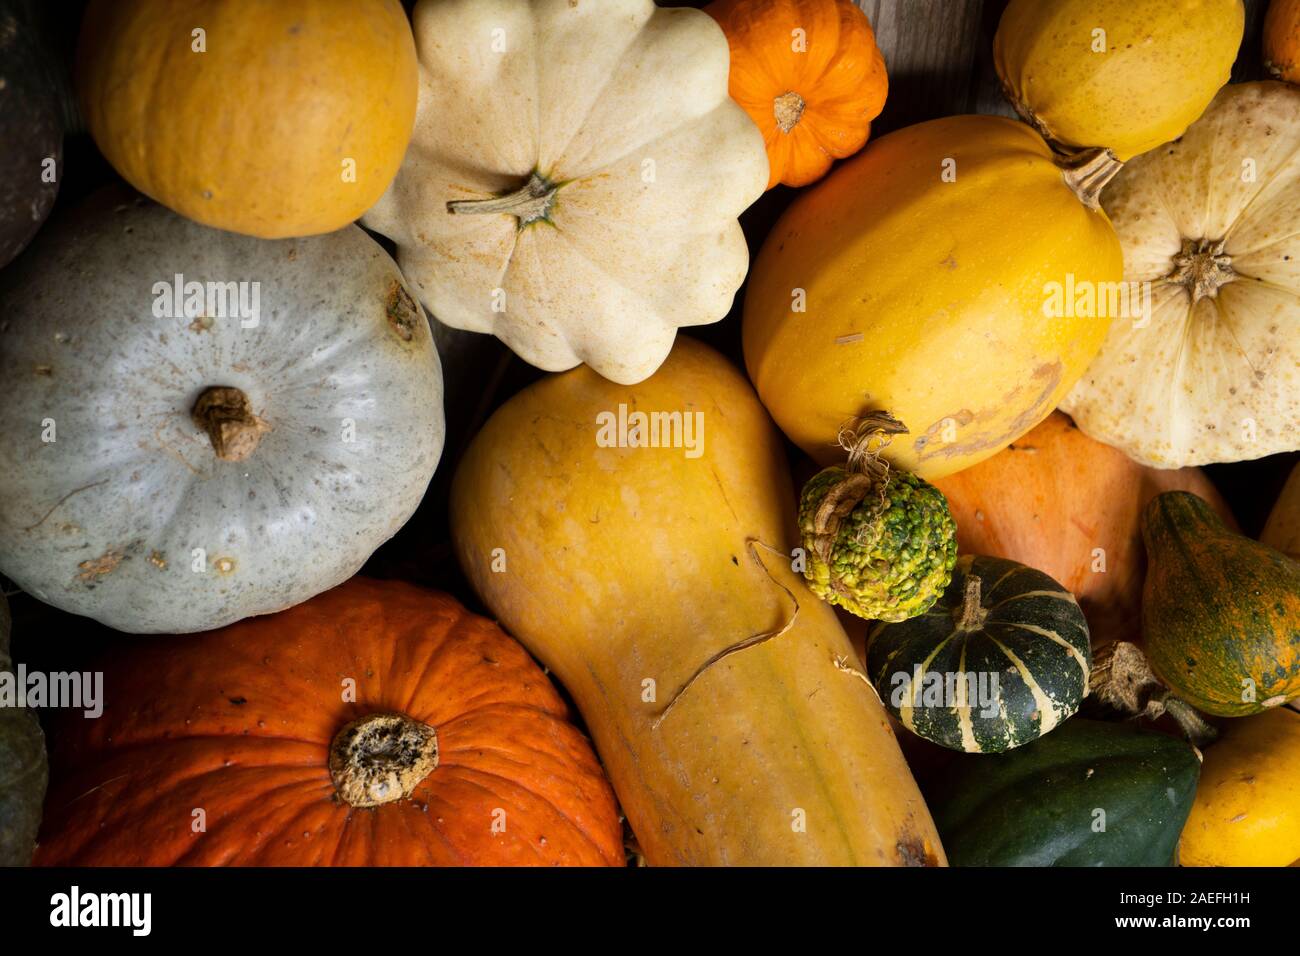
<point>1123,680</point>
<point>973,611</point>
<point>531,202</point>
<point>1202,266</point>
<point>381,758</point>
<point>226,414</point>
<point>788,108</point>
<point>865,472</point>
<point>1087,172</point>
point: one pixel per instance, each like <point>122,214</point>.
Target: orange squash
<point>377,724</point>
<point>1070,506</point>
<point>271,119</point>
<point>808,72</point>
<point>1282,40</point>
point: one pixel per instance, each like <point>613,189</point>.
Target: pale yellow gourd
<point>1210,224</point>
<point>1127,75</point>
<point>574,178</point>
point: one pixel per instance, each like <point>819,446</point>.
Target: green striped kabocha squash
<point>999,660</point>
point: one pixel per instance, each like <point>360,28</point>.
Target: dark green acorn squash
<point>33,100</point>
<point>1090,794</point>
<point>1220,612</point>
<point>23,768</point>
<point>999,660</point>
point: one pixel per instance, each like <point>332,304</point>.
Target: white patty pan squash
<point>574,178</point>
<point>1212,222</point>
<point>174,466</point>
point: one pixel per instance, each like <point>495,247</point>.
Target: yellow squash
<point>629,568</point>
<point>1247,809</point>
<point>952,274</point>
<point>273,119</point>
<point>1123,74</point>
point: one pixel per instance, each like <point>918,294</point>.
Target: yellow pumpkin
<point>1247,809</point>
<point>942,275</point>
<point>629,567</point>
<point>1123,74</point>
<point>273,119</point>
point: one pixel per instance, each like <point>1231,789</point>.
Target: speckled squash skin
<point>885,287</point>
<point>621,108</point>
<point>1161,64</point>
<point>1220,612</point>
<point>291,121</point>
<point>1215,375</point>
<point>1029,632</point>
<point>127,515</point>
<point>23,768</point>
<point>31,127</point>
<point>1247,808</point>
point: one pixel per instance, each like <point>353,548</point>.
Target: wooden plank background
<point>939,57</point>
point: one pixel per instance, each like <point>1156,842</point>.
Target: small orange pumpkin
<point>1282,40</point>
<point>377,724</point>
<point>808,72</point>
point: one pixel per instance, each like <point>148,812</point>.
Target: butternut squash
<point>631,568</point>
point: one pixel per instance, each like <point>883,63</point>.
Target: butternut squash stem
<point>1087,172</point>
<point>381,758</point>
<point>761,638</point>
<point>226,414</point>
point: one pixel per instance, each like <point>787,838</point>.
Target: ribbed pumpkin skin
<point>239,721</point>
<point>925,298</point>
<point>632,564</point>
<point>252,134</point>
<point>1218,610</point>
<point>23,768</point>
<point>1247,809</point>
<point>1034,639</point>
<point>1054,497</point>
<point>836,72</point>
<point>1037,806</point>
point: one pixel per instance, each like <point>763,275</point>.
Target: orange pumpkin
<point>1282,40</point>
<point>808,72</point>
<point>1069,506</point>
<point>377,724</point>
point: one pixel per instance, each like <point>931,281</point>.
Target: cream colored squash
<point>1212,222</point>
<point>574,178</point>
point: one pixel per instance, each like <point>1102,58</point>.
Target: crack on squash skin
<point>1049,373</point>
<point>913,851</point>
